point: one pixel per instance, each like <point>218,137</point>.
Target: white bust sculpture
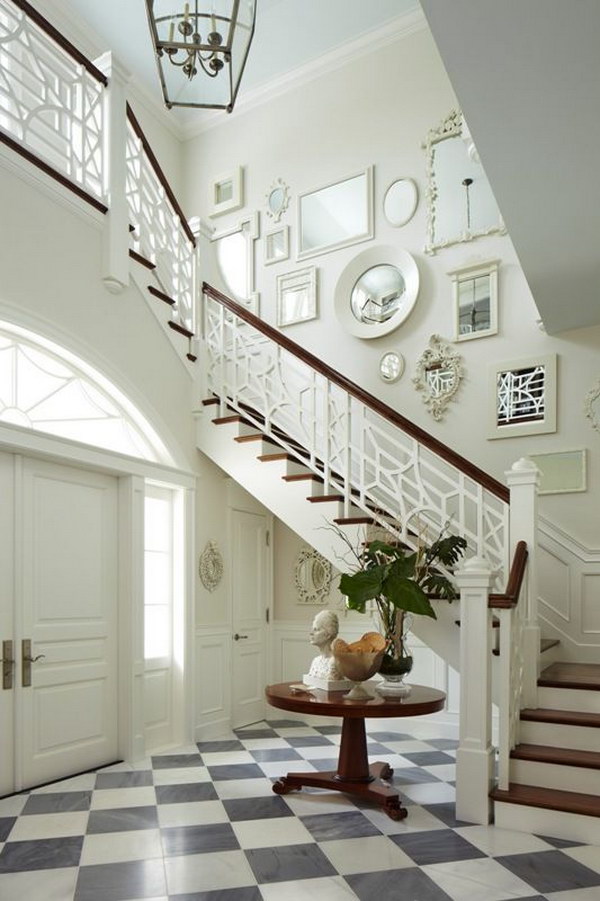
<point>324,630</point>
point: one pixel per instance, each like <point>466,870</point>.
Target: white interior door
<point>65,607</point>
<point>250,601</point>
<point>7,643</point>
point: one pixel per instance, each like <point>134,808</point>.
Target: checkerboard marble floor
<point>203,824</point>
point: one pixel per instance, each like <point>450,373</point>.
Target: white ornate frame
<point>317,596</point>
<point>278,184</point>
<point>236,179</point>
<point>450,127</point>
<point>210,567</point>
<point>439,355</point>
<point>249,225</point>
<point>588,406</point>
<point>269,257</point>
<point>296,281</point>
<point>534,427</point>
<point>469,273</point>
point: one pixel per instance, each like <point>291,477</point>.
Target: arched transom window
<point>45,387</point>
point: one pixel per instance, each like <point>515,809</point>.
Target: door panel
<point>68,598</point>
<point>249,587</point>
<point>6,618</point>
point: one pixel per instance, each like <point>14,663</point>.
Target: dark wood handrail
<point>160,174</point>
<point>61,40</point>
<point>510,598</point>
<point>438,447</point>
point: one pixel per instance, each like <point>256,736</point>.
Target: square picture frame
<point>227,192</point>
<point>475,300</point>
<point>562,472</point>
<point>297,296</point>
<point>277,245</point>
<point>522,397</point>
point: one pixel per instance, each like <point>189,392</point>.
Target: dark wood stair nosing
<point>161,295</point>
<point>303,476</point>
<point>180,328</point>
<point>558,756</point>
<point>548,799</point>
<point>582,718</point>
<point>354,520</point>
<point>141,259</point>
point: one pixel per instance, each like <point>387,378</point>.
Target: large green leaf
<point>438,586</point>
<point>447,550</point>
<point>404,566</point>
<point>407,595</point>
<point>361,587</point>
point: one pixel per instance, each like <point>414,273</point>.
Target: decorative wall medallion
<point>211,566</point>
<point>439,374</point>
<point>312,577</point>
<point>278,199</point>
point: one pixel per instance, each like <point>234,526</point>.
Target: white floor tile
<point>429,792</point>
<point>418,820</point>
<point>495,841</point>
<point>270,833</point>
<point>588,855</point>
<point>39,885</point>
<point>444,771</point>
<point>477,880</point>
<point>208,872</point>
<point>333,888</point>
<point>281,767</point>
<point>576,894</point>
<point>112,798</point>
<point>244,788</point>
<point>306,803</point>
<point>76,784</point>
<point>227,757</point>
<point>319,752</point>
<point>113,847</point>
<point>365,855</point>
<point>197,813</point>
<point>49,825</point>
<point>297,732</point>
<point>264,744</point>
<point>409,746</point>
<point>181,775</point>
<point>12,807</point>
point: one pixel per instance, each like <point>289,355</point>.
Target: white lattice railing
<point>51,99</point>
<point>365,451</point>
<point>160,233</point>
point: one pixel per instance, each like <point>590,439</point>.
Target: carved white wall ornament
<point>591,405</point>
<point>211,566</point>
<point>439,374</point>
<point>277,199</point>
<point>312,577</point>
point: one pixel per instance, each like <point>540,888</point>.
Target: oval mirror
<point>278,198</point>
<point>377,294</point>
<point>400,202</point>
<point>391,366</point>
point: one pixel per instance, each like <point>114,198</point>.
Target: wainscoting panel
<point>212,682</point>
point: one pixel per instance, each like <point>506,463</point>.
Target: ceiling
<point>289,35</point>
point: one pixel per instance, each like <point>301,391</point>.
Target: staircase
<point>556,765</point>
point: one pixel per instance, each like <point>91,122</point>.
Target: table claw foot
<point>387,773</point>
<point>394,809</point>
<point>282,787</point>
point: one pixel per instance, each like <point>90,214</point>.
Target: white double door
<point>58,591</point>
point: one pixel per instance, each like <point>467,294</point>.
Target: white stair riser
<point>569,699</point>
<point>571,826</point>
<point>581,738</point>
<point>555,775</point>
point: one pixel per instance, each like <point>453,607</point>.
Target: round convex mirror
<point>377,294</point>
<point>400,202</point>
<point>391,366</point>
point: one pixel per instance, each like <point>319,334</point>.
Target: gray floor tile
<point>375,747</point>
<point>445,812</point>
<point>248,893</point>
<point>396,885</point>
<point>335,826</point>
<point>307,741</point>
<point>184,792</point>
<point>443,744</point>
<point>239,809</point>
<point>134,779</point>
<point>6,824</point>
<point>57,802</point>
<point>550,871</point>
<point>217,747</point>
<point>559,842</point>
<point>438,846</point>
<point>236,771</point>
<point>290,862</point>
<point>256,733</point>
<point>410,775</point>
<point>329,730</point>
<point>268,755</point>
<point>178,840</point>
<point>389,736</point>
<point>178,761</point>
<point>122,881</point>
<point>122,819</point>
<point>286,724</point>
<point>428,758</point>
<point>42,854</point>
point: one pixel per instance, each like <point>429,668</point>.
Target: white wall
<point>378,110</point>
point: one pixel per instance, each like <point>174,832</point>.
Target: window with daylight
<point>158,572</point>
<point>45,387</point>
<point>524,397</point>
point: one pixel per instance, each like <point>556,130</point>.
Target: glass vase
<point>397,661</point>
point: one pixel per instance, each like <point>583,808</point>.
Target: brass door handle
<point>27,660</point>
<point>237,636</point>
<point>8,664</point>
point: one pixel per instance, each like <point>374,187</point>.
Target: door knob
<point>237,636</point>
<point>27,661</point>
<point>8,664</point>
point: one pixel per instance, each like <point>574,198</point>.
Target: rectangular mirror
<point>475,290</point>
<point>336,215</point>
<point>297,296</point>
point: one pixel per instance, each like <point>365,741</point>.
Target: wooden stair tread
<point>563,756</point>
<point>354,520</point>
<point>571,675</point>
<point>279,455</point>
<point>224,420</point>
<point>303,477</point>
<point>561,717</point>
<point>323,498</point>
<point>549,799</point>
<point>210,401</point>
<point>255,436</point>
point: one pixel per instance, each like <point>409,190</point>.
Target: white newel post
<point>523,481</point>
<point>475,755</point>
<point>115,250</point>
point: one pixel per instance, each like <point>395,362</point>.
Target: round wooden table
<point>354,774</point>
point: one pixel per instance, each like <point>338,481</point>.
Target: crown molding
<point>372,41</point>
